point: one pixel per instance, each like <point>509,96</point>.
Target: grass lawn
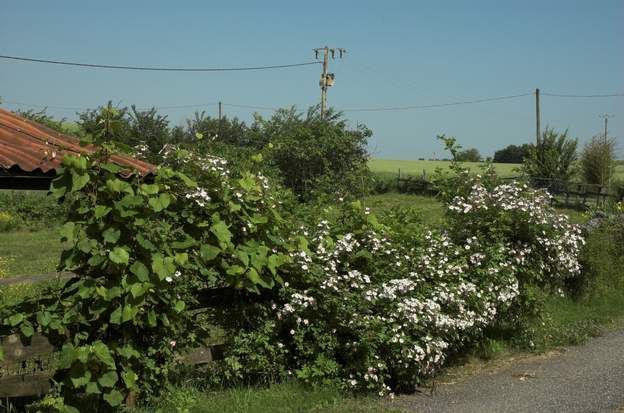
<point>431,209</point>
<point>387,166</point>
<point>31,252</point>
<point>279,398</point>
<point>390,168</point>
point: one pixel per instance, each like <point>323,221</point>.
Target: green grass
<point>430,208</point>
<point>388,167</point>
<point>415,167</point>
<point>279,398</point>
<point>31,252</point>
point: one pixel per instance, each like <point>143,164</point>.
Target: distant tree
<point>512,154</point>
<point>468,155</point>
<point>43,118</point>
<point>598,160</point>
<point>229,131</point>
<point>553,158</point>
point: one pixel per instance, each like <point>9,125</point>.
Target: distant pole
<point>606,119</point>
<point>220,116</point>
<point>327,79</point>
<point>538,132</point>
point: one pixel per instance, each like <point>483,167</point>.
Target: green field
<point>388,166</point>
<point>416,167</point>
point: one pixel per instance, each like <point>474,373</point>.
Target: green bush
<point>553,158</point>
<point>597,160</point>
<point>144,253</point>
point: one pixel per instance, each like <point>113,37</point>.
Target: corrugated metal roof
<point>31,147</point>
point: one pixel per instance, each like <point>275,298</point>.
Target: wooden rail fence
<point>564,193</point>
<point>28,367</point>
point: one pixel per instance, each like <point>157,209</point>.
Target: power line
<point>160,69</point>
<point>559,95</point>
<point>250,106</point>
<point>31,105</point>
<point>437,105</point>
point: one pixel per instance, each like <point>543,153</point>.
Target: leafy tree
<point>553,158</point>
<point>229,131</point>
<point>43,118</point>
<point>469,155</point>
<point>597,160</point>
<point>314,154</point>
<point>512,154</point>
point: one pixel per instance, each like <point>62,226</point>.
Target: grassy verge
<point>417,167</point>
<point>30,252</point>
<point>279,398</point>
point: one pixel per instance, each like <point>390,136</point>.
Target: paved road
<point>588,378</point>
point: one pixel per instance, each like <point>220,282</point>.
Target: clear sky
<point>401,53</point>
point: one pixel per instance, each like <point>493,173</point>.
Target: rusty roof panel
<point>33,147</point>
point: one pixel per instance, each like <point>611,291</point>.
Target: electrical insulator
<point>330,79</point>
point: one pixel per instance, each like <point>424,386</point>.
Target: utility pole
<point>219,125</point>
<point>606,119</point>
<point>538,132</point>
<point>327,79</point>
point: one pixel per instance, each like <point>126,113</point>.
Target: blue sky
<point>401,53</point>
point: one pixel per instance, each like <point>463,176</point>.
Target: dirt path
<point>588,378</point>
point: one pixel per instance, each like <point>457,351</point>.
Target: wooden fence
<point>28,367</point>
<point>564,193</point>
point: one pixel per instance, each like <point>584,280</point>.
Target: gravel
<point>588,378</point>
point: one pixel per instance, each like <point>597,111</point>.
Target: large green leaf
<point>108,379</point>
<point>159,203</point>
<point>111,235</point>
<point>140,270</point>
<point>129,377</point>
<point>15,319</point>
<point>79,375</point>
<point>163,266</point>
<point>79,180</point>
<point>209,252</point>
<point>223,234</point>
<point>119,255</point>
<point>101,211</point>
<point>102,353</point>
<point>114,398</point>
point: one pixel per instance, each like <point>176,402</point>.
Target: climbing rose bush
<point>373,309</point>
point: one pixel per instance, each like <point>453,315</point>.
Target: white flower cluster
<point>200,196</point>
<point>543,236</point>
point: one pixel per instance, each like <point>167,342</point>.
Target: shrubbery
<point>374,308</point>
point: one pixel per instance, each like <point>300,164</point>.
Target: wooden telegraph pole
<point>606,119</point>
<point>327,79</point>
<point>538,132</point>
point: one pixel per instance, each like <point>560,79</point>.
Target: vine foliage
<point>144,251</point>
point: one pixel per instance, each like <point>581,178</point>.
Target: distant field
<point>387,166</point>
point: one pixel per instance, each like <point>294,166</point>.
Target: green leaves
<point>111,235</point>
<point>163,266</point>
<point>209,252</point>
<point>114,398</point>
<point>119,255</point>
<point>159,203</point>
<point>140,270</point>
<point>223,234</point>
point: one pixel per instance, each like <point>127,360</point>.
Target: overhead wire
<point>436,105</point>
<point>560,95</point>
<point>160,69</point>
<point>376,109</point>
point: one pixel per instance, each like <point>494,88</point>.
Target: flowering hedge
<point>375,309</point>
